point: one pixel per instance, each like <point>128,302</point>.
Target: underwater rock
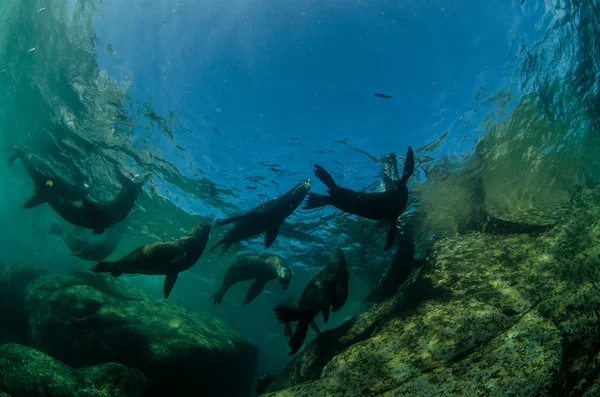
<point>14,325</point>
<point>491,314</point>
<point>2,394</point>
<point>27,372</point>
<point>84,318</point>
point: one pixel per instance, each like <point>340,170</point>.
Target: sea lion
<point>266,217</point>
<point>167,258</point>
<point>292,303</point>
<point>88,247</point>
<point>387,205</point>
<point>260,268</point>
<point>401,266</point>
<point>42,175</point>
<point>329,288</point>
<point>89,215</point>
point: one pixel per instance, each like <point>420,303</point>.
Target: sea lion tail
<point>316,201</point>
<point>325,177</point>
<point>108,267</point>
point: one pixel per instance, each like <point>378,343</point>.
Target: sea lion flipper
<point>392,232</point>
<point>271,236</point>
<point>315,327</point>
<point>255,289</point>
<point>34,201</point>
<point>13,157</point>
<point>325,177</point>
<point>409,166</point>
<point>316,201</point>
<point>227,221</point>
<point>287,330</point>
<point>114,268</point>
<point>298,338</point>
<point>170,283</point>
<point>218,296</point>
<point>326,314</point>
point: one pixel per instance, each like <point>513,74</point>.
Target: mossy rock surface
<point>489,315</point>
<point>85,318</point>
<point>25,371</point>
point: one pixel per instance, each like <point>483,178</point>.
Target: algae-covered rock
<point>494,315</point>
<point>85,318</point>
<point>2,394</point>
<point>25,371</point>
<point>14,324</point>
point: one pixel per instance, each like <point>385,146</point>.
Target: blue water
<point>230,103</point>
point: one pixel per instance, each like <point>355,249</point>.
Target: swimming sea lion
<point>260,268</point>
<point>162,258</point>
<point>88,247</point>
<point>402,264</point>
<point>292,303</point>
<point>266,217</point>
<point>328,288</point>
<point>387,205</point>
<point>84,213</point>
<point>41,175</point>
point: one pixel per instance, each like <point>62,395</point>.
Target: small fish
<point>219,133</point>
<point>41,10</point>
<point>3,71</point>
<point>32,49</point>
<point>7,19</point>
<point>383,95</point>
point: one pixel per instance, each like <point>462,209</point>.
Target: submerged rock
<point>14,324</point>
<point>85,318</point>
<point>491,314</point>
<point>27,372</point>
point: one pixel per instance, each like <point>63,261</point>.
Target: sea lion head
<point>337,260</point>
<point>301,189</point>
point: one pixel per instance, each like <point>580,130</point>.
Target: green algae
<point>27,372</point>
<point>490,315</point>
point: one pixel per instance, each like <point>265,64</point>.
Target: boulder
<point>490,314</point>
<point>86,318</point>
<point>25,371</point>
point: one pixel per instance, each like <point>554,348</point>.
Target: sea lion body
<point>98,217</point>
<point>168,258</point>
<point>261,268</point>
<point>328,290</point>
<point>292,303</point>
<point>401,266</point>
<point>42,175</point>
<point>387,205</point>
<point>87,247</point>
<point>267,217</point>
